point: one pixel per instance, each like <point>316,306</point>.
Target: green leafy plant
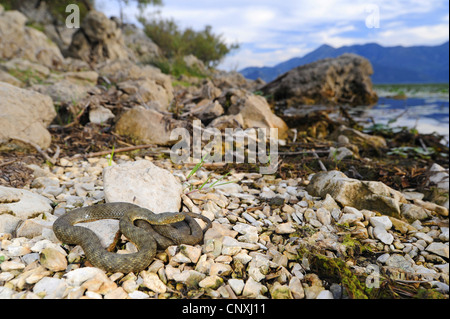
<point>388,130</point>
<point>176,43</point>
<point>334,156</point>
<point>415,152</point>
<point>111,156</point>
<point>176,66</point>
<point>215,184</point>
<point>27,76</point>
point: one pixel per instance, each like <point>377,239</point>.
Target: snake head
<point>168,218</point>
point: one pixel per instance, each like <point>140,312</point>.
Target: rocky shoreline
<point>339,219</point>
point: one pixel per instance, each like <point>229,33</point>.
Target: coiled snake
<point>141,226</point>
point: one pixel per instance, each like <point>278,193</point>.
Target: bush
<point>176,67</point>
<point>176,43</point>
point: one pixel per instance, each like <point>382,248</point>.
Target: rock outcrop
<point>43,15</point>
<point>24,116</point>
<point>256,113</point>
<point>20,41</point>
<point>143,85</point>
<point>343,80</point>
<point>246,110</point>
<point>227,101</point>
<point>98,40</point>
<point>69,87</point>
<point>147,126</point>
<point>142,46</point>
<point>369,195</point>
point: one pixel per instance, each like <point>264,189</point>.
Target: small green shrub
<point>177,43</point>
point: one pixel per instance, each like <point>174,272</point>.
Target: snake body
<point>146,230</point>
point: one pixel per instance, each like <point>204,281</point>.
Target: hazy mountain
<point>417,64</point>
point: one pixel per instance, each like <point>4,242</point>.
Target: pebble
<point>324,216</point>
<point>325,294</point>
<point>243,257</point>
<point>439,249</point>
<point>189,277</point>
<point>256,274</point>
<point>295,285</point>
<point>130,285</point>
<point>250,219</point>
<point>6,293</point>
<point>381,234</point>
<point>312,292</point>
<point>138,295</point>
<point>250,233</point>
<point>353,211</point>
<point>220,269</point>
<point>336,214</point>
<point>441,287</point>
<point>285,228</point>
<point>350,219</point>
<point>212,282</point>
<point>444,236</point>
<point>383,258</point>
<point>279,291</point>
<point>53,259</point>
<point>51,288</point>
<point>11,265</point>
<point>237,285</point>
<point>118,293</point>
<point>153,282</point>
<point>100,284</point>
<point>424,237</point>
<point>443,268</point>
<point>180,258</point>
<point>401,262</point>
<point>381,221</point>
<point>251,250</point>
<point>16,251</point>
<point>191,252</point>
<point>78,276</point>
<point>253,289</point>
<point>230,246</point>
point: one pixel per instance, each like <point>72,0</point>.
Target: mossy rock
<point>279,291</point>
<point>335,270</point>
<point>428,294</point>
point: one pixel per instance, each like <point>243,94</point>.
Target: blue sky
<point>273,31</point>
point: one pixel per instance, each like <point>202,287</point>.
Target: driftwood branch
<point>38,149</point>
<point>303,153</point>
<point>7,163</point>
<point>118,150</point>
<point>320,162</point>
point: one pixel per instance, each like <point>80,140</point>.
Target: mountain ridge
<point>392,65</point>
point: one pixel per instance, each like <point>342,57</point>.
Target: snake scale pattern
<point>147,230</point>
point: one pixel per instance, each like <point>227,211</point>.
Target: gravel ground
<point>270,239</point>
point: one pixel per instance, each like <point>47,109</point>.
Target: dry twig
<point>119,150</point>
<point>7,163</point>
<point>37,148</point>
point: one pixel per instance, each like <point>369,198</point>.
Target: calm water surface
<point>426,114</point>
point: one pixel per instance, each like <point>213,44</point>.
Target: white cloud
<point>271,31</point>
<point>422,35</point>
<point>246,57</point>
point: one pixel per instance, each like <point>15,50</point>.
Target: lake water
<point>428,113</point>
<point>425,109</point>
